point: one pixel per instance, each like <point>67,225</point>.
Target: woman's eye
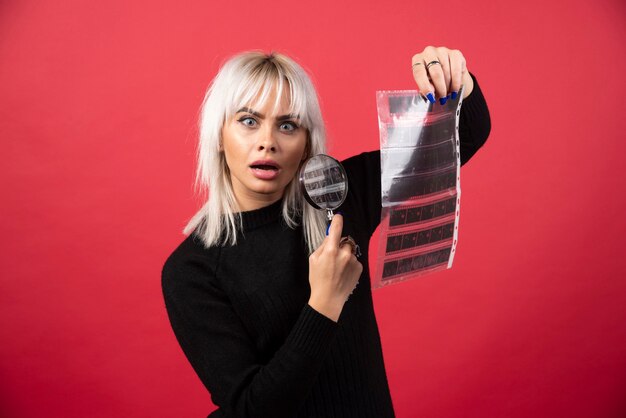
<point>248,121</point>
<point>288,126</point>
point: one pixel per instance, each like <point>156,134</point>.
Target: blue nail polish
<point>443,100</point>
<point>327,229</point>
<point>454,95</point>
<point>431,97</point>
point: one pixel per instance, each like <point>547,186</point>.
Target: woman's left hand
<point>440,72</point>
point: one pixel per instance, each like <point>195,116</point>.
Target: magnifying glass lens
<point>324,182</point>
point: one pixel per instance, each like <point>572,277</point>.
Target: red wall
<point>98,102</point>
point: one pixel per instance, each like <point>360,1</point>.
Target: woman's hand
<point>439,73</point>
<point>333,273</point>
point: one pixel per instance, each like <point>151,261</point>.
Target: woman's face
<point>263,149</point>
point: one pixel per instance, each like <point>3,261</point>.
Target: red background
<point>98,105</point>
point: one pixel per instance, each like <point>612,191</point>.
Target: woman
<point>264,305</point>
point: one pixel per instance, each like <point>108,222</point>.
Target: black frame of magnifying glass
<point>306,194</point>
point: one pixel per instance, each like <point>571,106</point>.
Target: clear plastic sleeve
<point>421,188</point>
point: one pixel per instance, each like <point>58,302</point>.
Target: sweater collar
<point>262,216</point>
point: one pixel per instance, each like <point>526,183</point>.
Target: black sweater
<point>241,316</point>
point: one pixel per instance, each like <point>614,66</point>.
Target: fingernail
<point>443,100</point>
<point>327,229</point>
<point>431,97</point>
<point>454,94</point>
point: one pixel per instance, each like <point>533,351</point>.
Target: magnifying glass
<point>324,183</point>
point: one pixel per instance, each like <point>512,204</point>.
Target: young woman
<point>265,306</point>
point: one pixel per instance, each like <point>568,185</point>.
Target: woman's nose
<point>267,141</point>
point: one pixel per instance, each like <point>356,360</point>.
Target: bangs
<point>256,83</point>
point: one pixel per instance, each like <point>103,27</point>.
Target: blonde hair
<point>242,79</point>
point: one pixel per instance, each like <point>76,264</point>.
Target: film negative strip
<point>415,239</point>
<point>332,173</point>
<point>408,104</point>
<point>416,135</point>
<point>403,104</point>
<point>416,214</point>
<point>403,189</point>
<point>325,185</point>
<point>415,263</point>
<point>330,198</point>
<point>408,161</point>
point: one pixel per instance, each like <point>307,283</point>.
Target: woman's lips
<point>265,169</point>
<point>264,174</point>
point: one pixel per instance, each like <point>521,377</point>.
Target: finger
<point>345,253</point>
<point>334,234</point>
<point>348,242</point>
<point>435,72</point>
<point>467,83</point>
<point>421,77</point>
<point>444,58</point>
<point>457,66</point>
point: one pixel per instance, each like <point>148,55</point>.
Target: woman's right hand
<point>333,273</point>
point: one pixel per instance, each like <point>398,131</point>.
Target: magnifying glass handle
<point>329,215</point>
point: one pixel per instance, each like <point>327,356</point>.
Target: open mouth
<point>264,167</point>
<point>265,170</point>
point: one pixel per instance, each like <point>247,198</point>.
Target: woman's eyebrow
<point>260,115</point>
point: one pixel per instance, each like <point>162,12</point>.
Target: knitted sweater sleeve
<point>224,356</point>
<point>474,123</point>
<point>364,170</point>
